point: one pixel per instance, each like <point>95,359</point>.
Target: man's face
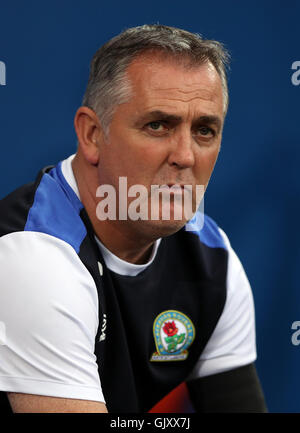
<point>168,133</point>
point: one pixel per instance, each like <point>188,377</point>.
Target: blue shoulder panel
<point>207,230</point>
<point>55,210</point>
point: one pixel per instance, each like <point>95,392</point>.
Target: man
<point>106,305</point>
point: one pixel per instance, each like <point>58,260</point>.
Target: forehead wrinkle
<point>154,107</point>
<point>199,93</point>
<point>178,89</point>
<point>190,99</point>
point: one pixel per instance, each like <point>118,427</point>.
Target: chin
<point>161,228</point>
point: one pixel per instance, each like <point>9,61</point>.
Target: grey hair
<point>108,85</point>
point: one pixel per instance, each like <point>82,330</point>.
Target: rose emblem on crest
<point>172,339</point>
<point>170,328</point>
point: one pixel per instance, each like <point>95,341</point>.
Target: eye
<point>155,126</point>
<point>205,130</point>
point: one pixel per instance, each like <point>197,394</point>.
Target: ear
<point>89,133</point>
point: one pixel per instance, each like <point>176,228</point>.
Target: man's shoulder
<point>48,205</point>
<point>207,230</point>
<point>15,206</point>
<point>34,251</point>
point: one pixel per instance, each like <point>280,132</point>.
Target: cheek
<point>205,164</point>
<point>136,165</point>
<point>144,158</point>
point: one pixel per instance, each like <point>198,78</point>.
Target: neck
<point>116,236</point>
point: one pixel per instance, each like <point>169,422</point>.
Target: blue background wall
<point>254,192</point>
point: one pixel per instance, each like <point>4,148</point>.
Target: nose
<point>182,150</point>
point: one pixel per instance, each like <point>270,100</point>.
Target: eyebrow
<point>161,115</point>
<point>167,117</point>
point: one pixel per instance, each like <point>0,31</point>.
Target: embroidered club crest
<point>173,333</point>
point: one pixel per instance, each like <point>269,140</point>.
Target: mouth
<point>172,188</point>
<point>175,186</point>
